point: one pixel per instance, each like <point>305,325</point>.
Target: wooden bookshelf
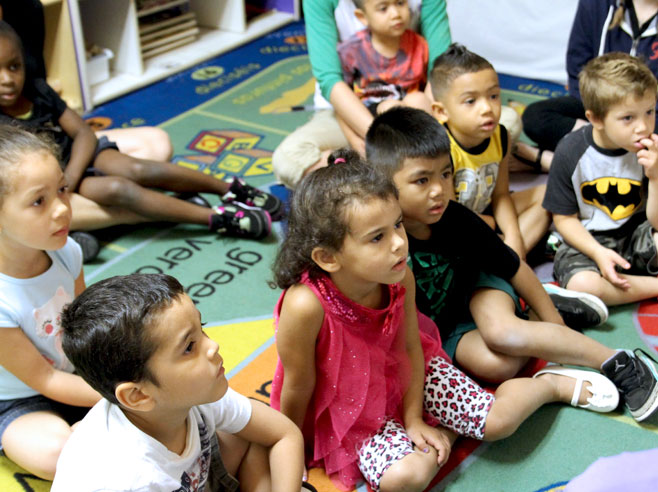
<point>60,54</point>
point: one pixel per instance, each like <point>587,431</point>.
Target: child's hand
<point>607,259</point>
<point>423,435</point>
<point>648,157</point>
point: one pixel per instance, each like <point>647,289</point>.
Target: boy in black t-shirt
<point>603,185</point>
<point>466,276</point>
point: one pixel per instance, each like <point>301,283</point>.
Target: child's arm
<point>574,233</point>
<point>83,148</point>
<point>419,432</point>
<point>648,158</point>
<point>20,357</point>
<point>300,321</point>
<point>284,442</point>
<point>528,286</point>
<point>79,285</point>
<point>503,208</point>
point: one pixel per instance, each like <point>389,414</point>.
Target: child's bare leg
<point>248,462</point>
<point>153,174</point>
<point>35,440</point>
<point>534,220</point>
<point>502,331</point>
<point>413,473</point>
<point>641,287</point>
<point>141,142</point>
<point>154,205</point>
<point>89,215</point>
<point>517,399</point>
<point>478,359</point>
<point>417,100</point>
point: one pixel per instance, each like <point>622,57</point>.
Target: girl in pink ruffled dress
<point>360,371</point>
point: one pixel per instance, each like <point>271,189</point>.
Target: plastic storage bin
<point>98,67</point>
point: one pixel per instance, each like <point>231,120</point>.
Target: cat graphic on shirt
<point>48,324</point>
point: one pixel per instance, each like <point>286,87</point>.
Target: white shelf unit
<point>114,24</point>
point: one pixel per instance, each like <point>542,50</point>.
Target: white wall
<point>526,38</point>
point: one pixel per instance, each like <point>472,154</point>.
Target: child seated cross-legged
<point>467,102</point>
<point>360,371</point>
<point>385,63</point>
<point>603,185</point>
<point>40,271</point>
<point>168,419</point>
<point>98,171</point>
<point>467,279</point>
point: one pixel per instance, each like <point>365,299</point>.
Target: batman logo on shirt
<point>617,197</point>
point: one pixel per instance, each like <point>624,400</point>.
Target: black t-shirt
<point>47,108</point>
<point>448,264</point>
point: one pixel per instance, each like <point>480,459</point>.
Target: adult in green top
<point>327,23</point>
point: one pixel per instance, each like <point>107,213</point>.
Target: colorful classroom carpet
<point>225,117</point>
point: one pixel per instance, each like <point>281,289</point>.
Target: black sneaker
<point>194,198</point>
<point>578,309</point>
<point>308,487</point>
<point>637,381</point>
<point>88,243</point>
<point>253,197</point>
<point>239,220</point>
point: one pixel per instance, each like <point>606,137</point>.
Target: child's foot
<point>580,388</point>
<point>240,221</point>
<point>578,309</point>
<point>635,377</point>
<point>194,198</point>
<point>307,487</point>
<point>253,197</point>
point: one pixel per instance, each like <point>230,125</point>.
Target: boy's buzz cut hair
<point>105,330</point>
<point>404,133</point>
<point>453,62</point>
<point>360,4</point>
<point>609,79</point>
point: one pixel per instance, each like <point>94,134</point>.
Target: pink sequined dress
<point>362,373</point>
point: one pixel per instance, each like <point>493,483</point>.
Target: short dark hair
<point>404,133</point>
<point>453,62</point>
<point>8,32</point>
<point>319,209</point>
<point>105,331</point>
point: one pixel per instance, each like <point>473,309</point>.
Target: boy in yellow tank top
<point>467,101</point>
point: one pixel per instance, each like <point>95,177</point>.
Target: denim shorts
<point>10,410</point>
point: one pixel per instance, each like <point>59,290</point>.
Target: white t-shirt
<point>34,305</point>
<point>106,452</point>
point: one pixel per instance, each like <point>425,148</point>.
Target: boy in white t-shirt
<point>168,420</point>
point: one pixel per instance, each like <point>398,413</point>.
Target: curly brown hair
<point>318,215</point>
